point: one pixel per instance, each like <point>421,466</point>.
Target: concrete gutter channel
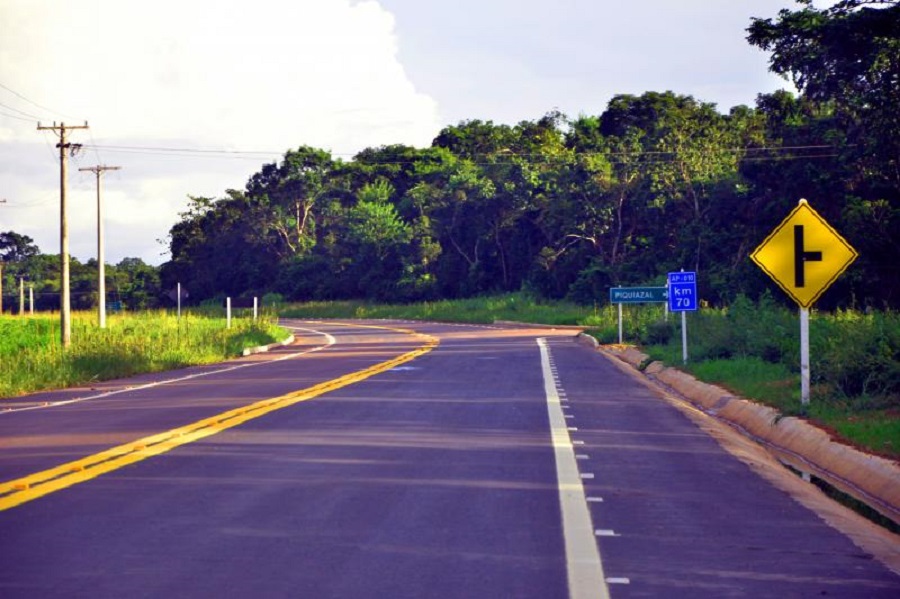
<point>870,479</point>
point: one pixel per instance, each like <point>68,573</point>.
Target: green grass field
<point>32,359</point>
<point>478,311</point>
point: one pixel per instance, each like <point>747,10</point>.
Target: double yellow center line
<point>25,489</point>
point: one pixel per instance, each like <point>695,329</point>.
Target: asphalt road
<point>438,476</point>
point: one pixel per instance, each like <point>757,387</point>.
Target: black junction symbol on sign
<point>801,257</point>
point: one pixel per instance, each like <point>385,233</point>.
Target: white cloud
<point>262,75</point>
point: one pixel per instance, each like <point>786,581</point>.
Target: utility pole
<point>3,201</point>
<point>65,303</point>
<point>101,274</point>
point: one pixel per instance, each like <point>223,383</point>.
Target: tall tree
<point>285,196</point>
<point>17,248</point>
<point>847,57</point>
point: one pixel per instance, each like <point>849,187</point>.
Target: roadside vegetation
<point>753,350</point>
<point>31,358</point>
<point>481,310</point>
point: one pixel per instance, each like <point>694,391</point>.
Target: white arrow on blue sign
<point>682,291</point>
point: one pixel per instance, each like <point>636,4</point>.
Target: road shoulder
<point>873,539</point>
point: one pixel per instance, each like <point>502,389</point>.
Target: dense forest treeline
<point>131,284</point>
<point>568,207</point>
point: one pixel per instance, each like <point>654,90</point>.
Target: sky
<point>191,97</point>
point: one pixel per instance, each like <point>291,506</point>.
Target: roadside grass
<point>754,353</point>
<point>775,385</point>
<point>482,310</point>
<point>32,359</point>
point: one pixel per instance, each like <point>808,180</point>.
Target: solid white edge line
<point>330,340</point>
<point>583,566</point>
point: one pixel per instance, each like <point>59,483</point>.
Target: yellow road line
<point>31,487</point>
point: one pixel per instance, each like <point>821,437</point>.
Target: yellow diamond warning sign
<point>804,255</point>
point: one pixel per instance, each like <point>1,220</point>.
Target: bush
<point>659,333</point>
<point>855,357</point>
<point>858,355</point>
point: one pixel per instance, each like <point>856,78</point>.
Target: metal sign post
<point>804,255</point>
<point>620,324</point>
<point>804,356</point>
<point>683,298</point>
<point>635,295</point>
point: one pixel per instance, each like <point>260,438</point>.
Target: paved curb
<point>533,325</point>
<point>871,479</point>
<point>264,348</point>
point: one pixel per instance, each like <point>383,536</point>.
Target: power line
<point>160,149</point>
<point>13,116</point>
<point>33,204</point>
<point>49,147</point>
<point>32,102</point>
<point>22,112</point>
<point>93,145</point>
<point>749,154</point>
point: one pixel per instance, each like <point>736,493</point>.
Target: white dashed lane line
<point>560,402</point>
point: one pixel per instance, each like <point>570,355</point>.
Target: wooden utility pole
<point>101,274</point>
<point>65,303</point>
<point>3,201</point>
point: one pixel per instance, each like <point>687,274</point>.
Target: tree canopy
<point>560,207</point>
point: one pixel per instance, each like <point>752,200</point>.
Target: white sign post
<point>620,324</point>
<point>635,295</point>
<point>804,355</point>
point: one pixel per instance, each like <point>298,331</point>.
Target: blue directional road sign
<point>682,291</point>
<point>637,295</point>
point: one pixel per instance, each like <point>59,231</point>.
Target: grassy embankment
<point>482,310</point>
<point>31,358</point>
<point>752,350</point>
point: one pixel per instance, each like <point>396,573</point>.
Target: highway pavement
<point>384,459</point>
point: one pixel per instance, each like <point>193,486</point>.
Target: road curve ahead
<point>398,460</point>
